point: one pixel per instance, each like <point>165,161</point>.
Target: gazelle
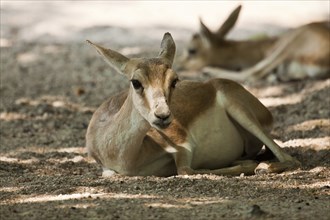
<point>301,53</point>
<point>162,126</point>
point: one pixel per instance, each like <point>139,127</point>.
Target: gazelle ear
<point>167,48</point>
<point>229,23</point>
<point>113,58</point>
<point>205,31</point>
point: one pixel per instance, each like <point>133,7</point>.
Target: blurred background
<point>44,41</point>
<point>131,22</point>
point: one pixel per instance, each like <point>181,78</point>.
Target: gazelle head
<point>208,48</point>
<point>152,80</point>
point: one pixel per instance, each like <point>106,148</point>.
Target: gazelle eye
<point>174,82</point>
<point>136,84</point>
<point>192,51</point>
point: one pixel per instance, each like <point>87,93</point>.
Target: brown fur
<point>202,97</point>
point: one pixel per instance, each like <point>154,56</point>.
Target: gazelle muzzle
<point>162,113</point>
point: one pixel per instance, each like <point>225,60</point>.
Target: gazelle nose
<point>163,116</point>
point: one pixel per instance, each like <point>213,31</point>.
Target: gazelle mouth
<point>161,124</point>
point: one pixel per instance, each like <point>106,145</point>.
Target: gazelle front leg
<point>182,155</point>
<point>183,158</point>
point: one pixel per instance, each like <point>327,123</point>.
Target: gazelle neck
<point>132,127</point>
<point>124,133</point>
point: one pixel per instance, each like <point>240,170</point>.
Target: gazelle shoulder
<point>111,106</point>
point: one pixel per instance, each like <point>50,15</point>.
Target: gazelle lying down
<point>162,126</point>
<point>301,53</point>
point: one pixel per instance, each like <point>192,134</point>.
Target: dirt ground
<point>49,92</point>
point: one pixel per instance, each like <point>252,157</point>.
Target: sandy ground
<point>50,88</point>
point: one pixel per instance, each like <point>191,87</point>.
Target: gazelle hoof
<point>185,171</point>
<point>276,167</point>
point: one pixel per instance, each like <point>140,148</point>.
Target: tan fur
<point>306,55</point>
<point>206,127</point>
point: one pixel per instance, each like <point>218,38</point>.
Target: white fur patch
<point>170,149</point>
<point>108,173</point>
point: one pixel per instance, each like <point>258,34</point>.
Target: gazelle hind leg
<point>251,124</point>
<point>238,167</point>
<point>247,112</point>
<point>246,167</point>
<point>272,167</point>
